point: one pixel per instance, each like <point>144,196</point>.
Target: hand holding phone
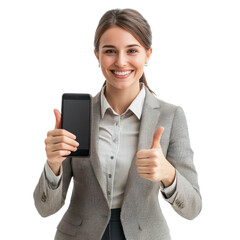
<point>59,143</point>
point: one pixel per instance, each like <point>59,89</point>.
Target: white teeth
<point>122,73</point>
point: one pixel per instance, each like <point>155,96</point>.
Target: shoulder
<point>171,109</point>
<point>173,116</point>
<point>157,103</point>
<point>171,112</point>
<point>166,109</point>
<point>166,106</point>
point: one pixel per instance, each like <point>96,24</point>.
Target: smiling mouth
<point>122,73</point>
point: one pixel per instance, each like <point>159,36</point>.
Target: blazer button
<point>44,197</point>
<point>179,204</point>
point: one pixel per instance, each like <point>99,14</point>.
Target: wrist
<point>55,167</point>
<point>168,181</point>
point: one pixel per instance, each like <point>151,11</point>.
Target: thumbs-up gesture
<point>152,164</point>
<point>59,143</point>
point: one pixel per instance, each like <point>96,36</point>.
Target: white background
<point>46,48</point>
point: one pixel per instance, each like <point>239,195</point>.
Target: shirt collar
<point>136,106</point>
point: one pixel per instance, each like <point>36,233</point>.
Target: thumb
<point>157,137</point>
<point>58,119</point>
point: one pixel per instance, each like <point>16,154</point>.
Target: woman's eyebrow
<point>112,46</point>
<point>133,45</point>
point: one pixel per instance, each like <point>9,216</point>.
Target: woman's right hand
<point>59,143</point>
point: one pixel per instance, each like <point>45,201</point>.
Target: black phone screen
<point>76,118</point>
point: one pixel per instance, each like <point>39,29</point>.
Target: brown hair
<point>130,20</point>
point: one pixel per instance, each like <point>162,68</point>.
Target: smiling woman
<point>131,21</point>
<point>140,145</point>
<point>122,58</point>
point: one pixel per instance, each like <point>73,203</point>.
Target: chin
<point>122,86</point>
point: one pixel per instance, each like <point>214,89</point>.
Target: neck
<point>120,99</point>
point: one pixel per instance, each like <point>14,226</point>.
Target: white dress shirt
<point>118,140</point>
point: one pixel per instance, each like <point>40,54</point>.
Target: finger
<point>157,137</point>
<point>145,175</point>
<point>148,153</point>
<point>60,146</point>
<point>61,132</point>
<point>145,170</point>
<point>58,119</point>
<point>59,154</point>
<point>144,153</point>
<point>63,139</point>
<point>147,162</point>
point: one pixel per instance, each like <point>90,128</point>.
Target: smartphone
<point>76,118</point>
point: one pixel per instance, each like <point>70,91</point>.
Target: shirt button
<point>109,175</point>
<point>112,157</point>
<point>108,192</point>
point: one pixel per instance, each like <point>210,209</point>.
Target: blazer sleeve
<point>47,200</point>
<point>186,200</point>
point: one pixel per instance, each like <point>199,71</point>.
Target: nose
<point>121,60</point>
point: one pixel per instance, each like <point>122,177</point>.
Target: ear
<point>148,54</point>
<point>96,54</point>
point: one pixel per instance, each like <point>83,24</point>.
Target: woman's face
<point>121,58</point>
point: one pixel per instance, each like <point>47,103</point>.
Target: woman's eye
<point>132,50</point>
<point>110,51</point>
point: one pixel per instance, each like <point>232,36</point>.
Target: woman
<point>140,145</point>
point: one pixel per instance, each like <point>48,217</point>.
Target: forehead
<point>118,37</point>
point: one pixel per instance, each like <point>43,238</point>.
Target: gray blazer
<point>88,213</point>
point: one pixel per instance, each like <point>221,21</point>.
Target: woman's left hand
<point>152,164</point>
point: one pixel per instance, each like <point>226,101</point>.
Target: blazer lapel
<point>94,159</point>
<point>149,121</point>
